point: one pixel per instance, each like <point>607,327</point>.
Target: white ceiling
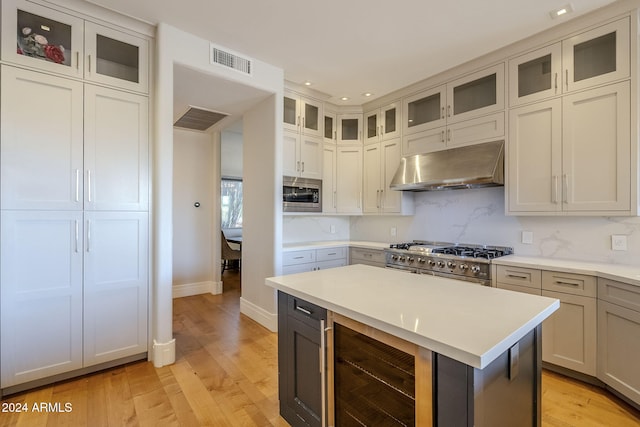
<point>349,47</point>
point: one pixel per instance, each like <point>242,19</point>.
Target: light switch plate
<point>618,242</point>
<point>393,231</point>
<point>527,237</point>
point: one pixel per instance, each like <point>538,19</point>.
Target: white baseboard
<point>259,314</point>
<point>164,353</point>
<point>189,289</point>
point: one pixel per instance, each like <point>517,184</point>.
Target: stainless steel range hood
<point>473,166</point>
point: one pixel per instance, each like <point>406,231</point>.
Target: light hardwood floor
<point>226,375</point>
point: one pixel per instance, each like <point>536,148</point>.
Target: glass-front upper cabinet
<point>536,75</point>
<point>116,58</point>
<point>349,128</point>
<point>476,94</point>
<point>597,56</point>
<point>382,124</point>
<point>303,115</point>
<point>424,110</point>
<point>330,131</point>
<point>40,37</point>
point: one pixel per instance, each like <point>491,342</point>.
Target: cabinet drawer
<point>305,311</point>
<point>329,254</point>
<point>568,283</point>
<point>361,256</point>
<point>619,293</point>
<point>518,276</point>
<point>298,257</point>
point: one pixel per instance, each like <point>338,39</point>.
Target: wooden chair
<point>228,253</point>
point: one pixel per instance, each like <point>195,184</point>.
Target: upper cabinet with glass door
<point>595,57</point>
<point>53,41</point>
<point>303,115</point>
<point>382,124</point>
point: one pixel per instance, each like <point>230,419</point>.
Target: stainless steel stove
<point>466,262</point>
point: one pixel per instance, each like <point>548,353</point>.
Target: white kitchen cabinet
<point>329,179</point>
<point>41,294</point>
<point>41,142</point>
<point>619,337</point>
<point>330,127</point>
<point>302,155</point>
<point>519,279</point>
<point>350,128</point>
<point>380,162</point>
<point>571,154</point>
<point>53,41</point>
<point>349,179</point>
<point>465,111</point>
<point>569,334</point>
<point>595,57</point>
<point>116,155</point>
<point>303,115</point>
<point>382,124</point>
<point>367,256</point>
<point>313,259</point>
<point>115,281</point>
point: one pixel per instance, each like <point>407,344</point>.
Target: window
<point>231,203</point>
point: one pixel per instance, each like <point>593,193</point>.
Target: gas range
<point>454,260</point>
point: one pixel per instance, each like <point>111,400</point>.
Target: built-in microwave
<point>301,194</point>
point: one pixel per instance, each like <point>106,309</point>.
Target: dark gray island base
<point>335,371</point>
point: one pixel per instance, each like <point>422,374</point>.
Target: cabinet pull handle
<point>302,167</point>
<point>381,129</point>
<point>323,375</point>
<point>359,199</point>
<point>77,235</point>
<point>556,83</point>
<point>382,199</point>
<point>554,190</point>
<point>332,253</point>
<point>448,110</point>
<point>442,113</point>
<point>563,283</point>
<point>89,63</point>
<point>566,78</point>
<point>517,276</point>
<point>89,185</point>
<point>448,135</point>
<point>378,199</point>
<point>298,166</point>
<point>88,235</point>
<point>335,135</point>
<point>304,310</point>
<point>77,185</point>
<point>335,201</point>
<point>77,60</point>
<point>442,136</point>
<point>298,257</point>
<point>298,121</point>
<point>565,189</point>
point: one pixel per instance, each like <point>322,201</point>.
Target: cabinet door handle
<point>448,135</point>
<point>556,83</point>
<point>563,283</point>
<point>77,235</point>
<point>378,199</point>
<point>89,63</point>
<point>381,129</point>
<point>448,110</point>
<point>302,167</point>
<point>517,276</point>
<point>298,166</point>
<point>442,136</point>
<point>77,60</point>
<point>303,122</point>
<point>88,235</point>
<point>554,190</point>
<point>89,185</point>
<point>304,310</point>
<point>298,257</point>
<point>382,199</point>
<point>442,113</point>
<point>566,78</point>
<point>335,199</point>
<point>565,189</point>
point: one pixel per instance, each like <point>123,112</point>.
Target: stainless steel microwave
<point>301,194</point>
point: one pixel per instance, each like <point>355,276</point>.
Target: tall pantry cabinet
<point>74,153</point>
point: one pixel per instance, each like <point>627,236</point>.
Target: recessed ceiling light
<point>367,94</point>
<point>564,10</point>
<point>307,83</point>
<point>344,98</point>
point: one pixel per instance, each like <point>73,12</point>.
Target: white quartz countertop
<point>625,273</point>
<point>333,244</point>
<point>467,322</point>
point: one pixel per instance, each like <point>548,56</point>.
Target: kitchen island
<point>474,351</point>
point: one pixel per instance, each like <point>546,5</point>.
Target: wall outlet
<point>332,229</point>
<point>527,237</point>
<point>618,242</point>
<point>393,231</point>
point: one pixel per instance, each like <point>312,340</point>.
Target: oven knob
<point>440,264</point>
<point>463,267</point>
<point>401,258</point>
<point>475,269</point>
<point>394,257</point>
<point>451,264</point>
<point>431,262</point>
<point>410,260</point>
<point>421,260</point>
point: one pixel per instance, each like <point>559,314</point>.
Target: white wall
<point>194,170</point>
<point>305,228</point>
<point>231,154</point>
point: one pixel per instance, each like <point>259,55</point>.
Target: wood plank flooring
<point>226,375</point>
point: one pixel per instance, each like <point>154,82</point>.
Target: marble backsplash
<point>477,216</point>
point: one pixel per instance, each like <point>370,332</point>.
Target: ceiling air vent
<point>199,119</point>
<point>230,60</point>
